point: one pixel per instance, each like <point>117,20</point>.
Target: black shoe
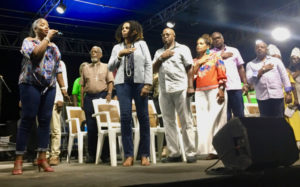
<point>90,160</point>
<point>171,159</point>
<point>191,159</point>
<point>105,160</point>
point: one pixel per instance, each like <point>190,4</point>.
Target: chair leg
<point>152,147</point>
<point>136,143</point>
<point>121,147</point>
<point>112,148</point>
<point>70,145</point>
<point>99,147</point>
<point>160,142</point>
<point>80,148</point>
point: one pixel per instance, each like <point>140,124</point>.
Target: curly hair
<point>133,36</point>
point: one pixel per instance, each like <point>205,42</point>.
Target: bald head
<point>261,49</point>
<point>168,36</point>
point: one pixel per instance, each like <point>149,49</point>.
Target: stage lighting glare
<point>281,34</point>
<point>170,24</point>
<point>61,8</point>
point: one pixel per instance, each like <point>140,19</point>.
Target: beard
<point>94,60</point>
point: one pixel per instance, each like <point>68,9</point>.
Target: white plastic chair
<point>108,123</point>
<point>251,110</point>
<point>155,130</point>
<point>75,116</point>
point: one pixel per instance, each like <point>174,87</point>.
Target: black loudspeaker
<point>256,143</point>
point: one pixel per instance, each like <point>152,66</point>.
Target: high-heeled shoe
<point>42,163</point>
<point>128,161</point>
<point>145,161</point>
<point>17,167</point>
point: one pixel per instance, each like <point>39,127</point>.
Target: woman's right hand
<point>127,51</point>
<point>203,59</point>
<point>51,33</point>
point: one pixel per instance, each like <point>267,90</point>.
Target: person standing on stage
<point>40,70</point>
<point>96,82</point>
<point>132,60</point>
<point>268,75</point>
<point>210,96</point>
<point>76,90</point>
<point>174,62</point>
<point>235,74</point>
<point>55,124</point>
<point>294,69</point>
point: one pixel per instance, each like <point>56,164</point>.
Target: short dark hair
<point>134,26</point>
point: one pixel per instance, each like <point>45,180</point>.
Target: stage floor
<point>160,174</point>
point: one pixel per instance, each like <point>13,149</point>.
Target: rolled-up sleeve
<point>187,56</point>
<point>250,74</point>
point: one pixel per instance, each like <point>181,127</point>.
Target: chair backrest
<point>73,113</point>
<point>251,110</point>
<point>100,105</point>
<point>153,117</point>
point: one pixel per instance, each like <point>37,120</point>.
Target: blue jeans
<point>126,92</point>
<point>91,123</point>
<point>235,104</point>
<point>271,107</point>
<point>35,104</point>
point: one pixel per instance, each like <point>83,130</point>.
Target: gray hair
<point>97,47</point>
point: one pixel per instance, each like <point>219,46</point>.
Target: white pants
<point>169,102</point>
<point>55,127</point>
<point>211,117</point>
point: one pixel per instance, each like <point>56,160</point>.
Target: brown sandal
<point>145,161</point>
<point>128,161</point>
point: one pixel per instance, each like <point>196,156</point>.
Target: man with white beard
<point>96,82</point>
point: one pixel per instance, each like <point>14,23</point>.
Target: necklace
<point>128,65</point>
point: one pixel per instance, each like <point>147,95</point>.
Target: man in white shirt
<point>174,62</point>
<point>55,124</point>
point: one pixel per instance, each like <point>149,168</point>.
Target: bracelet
<point>160,59</point>
<point>263,69</point>
<point>47,39</point>
<point>63,88</point>
<point>108,93</point>
<point>221,87</point>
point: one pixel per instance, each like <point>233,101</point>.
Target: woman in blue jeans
<point>40,69</point>
<point>132,60</point>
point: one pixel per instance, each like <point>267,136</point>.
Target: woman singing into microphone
<point>40,69</point>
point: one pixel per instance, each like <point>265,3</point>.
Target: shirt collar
<point>217,49</point>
